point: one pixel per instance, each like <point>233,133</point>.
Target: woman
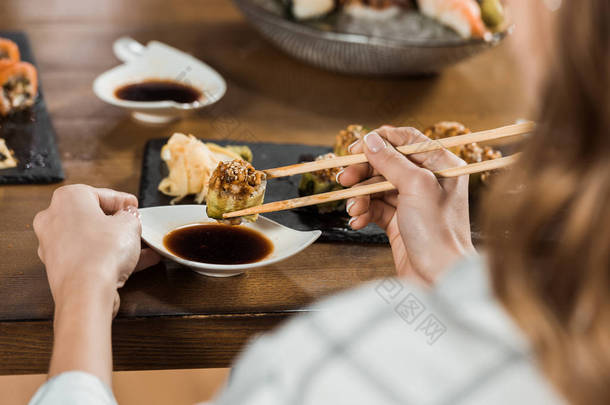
<point>529,324</point>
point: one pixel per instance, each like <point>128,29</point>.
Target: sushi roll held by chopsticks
<point>235,185</point>
<point>18,87</point>
<point>9,53</point>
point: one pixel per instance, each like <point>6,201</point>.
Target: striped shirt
<point>387,342</point>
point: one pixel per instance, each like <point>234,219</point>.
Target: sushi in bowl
<point>379,37</point>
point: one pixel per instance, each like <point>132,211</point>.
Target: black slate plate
<point>30,135</point>
<point>266,155</point>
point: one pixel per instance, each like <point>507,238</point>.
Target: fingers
<point>371,208</point>
<point>148,258</point>
<point>406,176</point>
<point>116,304</point>
<point>112,201</point>
<point>358,205</point>
<point>354,174</point>
<point>130,217</point>
<point>86,198</point>
<point>433,161</point>
<point>39,221</point>
<point>437,160</point>
<point>379,212</point>
<point>38,224</point>
<point>395,136</point>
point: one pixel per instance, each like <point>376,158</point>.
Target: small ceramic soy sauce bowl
<point>158,61</point>
<point>157,222</point>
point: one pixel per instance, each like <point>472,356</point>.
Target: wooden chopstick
<point>369,188</point>
<point>426,146</point>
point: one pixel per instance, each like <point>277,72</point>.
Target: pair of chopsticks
<point>420,147</point>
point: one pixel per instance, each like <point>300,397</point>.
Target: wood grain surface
<point>171,317</point>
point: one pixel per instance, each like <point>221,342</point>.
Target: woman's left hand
<point>90,239</point>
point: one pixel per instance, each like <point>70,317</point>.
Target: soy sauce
<point>218,244</point>
<point>158,90</point>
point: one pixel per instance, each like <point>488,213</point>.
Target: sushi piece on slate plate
<point>18,87</point>
<point>9,53</point>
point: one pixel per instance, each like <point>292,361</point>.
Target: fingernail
<point>337,176</point>
<point>349,205</point>
<point>133,211</point>
<point>349,148</point>
<point>351,221</point>
<point>374,142</point>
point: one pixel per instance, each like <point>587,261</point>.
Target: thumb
<point>148,258</point>
<point>390,163</point>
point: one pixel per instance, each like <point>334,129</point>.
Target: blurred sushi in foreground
<point>308,9</point>
<point>9,53</point>
<point>18,87</point>
<point>492,12</point>
<point>374,9</point>
<point>467,17</point>
<point>235,185</point>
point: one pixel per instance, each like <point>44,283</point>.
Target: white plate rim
<point>314,235</point>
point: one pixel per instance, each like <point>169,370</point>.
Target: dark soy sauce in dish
<point>218,244</point>
<point>158,90</point>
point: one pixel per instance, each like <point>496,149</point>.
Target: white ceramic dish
<point>158,61</point>
<point>159,221</point>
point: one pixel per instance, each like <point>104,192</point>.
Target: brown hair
<point>549,219</point>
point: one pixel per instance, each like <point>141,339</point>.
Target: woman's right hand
<point>426,219</point>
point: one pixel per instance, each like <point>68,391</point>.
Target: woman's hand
<point>426,219</point>
<point>90,239</point>
<point>90,244</point>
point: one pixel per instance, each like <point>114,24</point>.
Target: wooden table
<point>171,317</point>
